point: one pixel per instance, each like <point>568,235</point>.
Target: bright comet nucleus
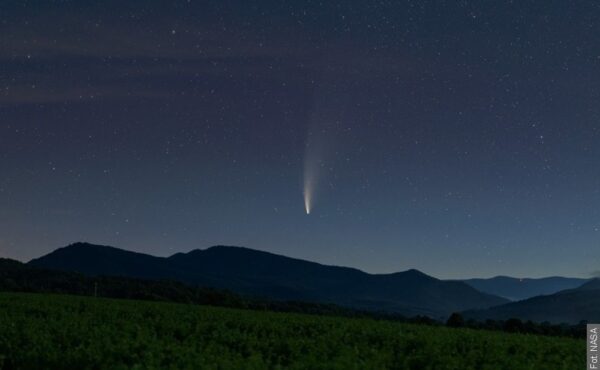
<point>307,202</point>
<point>310,182</point>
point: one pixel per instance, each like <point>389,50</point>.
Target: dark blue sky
<point>460,138</point>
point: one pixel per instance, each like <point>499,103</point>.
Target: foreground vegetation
<point>39,331</point>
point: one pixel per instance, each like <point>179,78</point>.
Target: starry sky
<point>461,138</point>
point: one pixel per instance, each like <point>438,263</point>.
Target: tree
<point>455,320</point>
<point>513,325</point>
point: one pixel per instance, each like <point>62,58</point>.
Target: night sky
<point>461,138</point>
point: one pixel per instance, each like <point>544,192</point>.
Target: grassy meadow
<point>45,331</point>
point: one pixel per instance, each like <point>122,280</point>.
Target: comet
<point>323,131</point>
<point>307,203</point>
<point>309,186</point>
<point>313,168</point>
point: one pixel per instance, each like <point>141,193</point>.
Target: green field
<point>56,331</point>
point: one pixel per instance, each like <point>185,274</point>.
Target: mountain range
<point>257,274</point>
<point>517,289</point>
<point>568,306</point>
<point>262,274</point>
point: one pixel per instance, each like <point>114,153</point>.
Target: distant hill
<point>255,273</point>
<point>517,289</point>
<point>593,284</point>
<point>568,306</point>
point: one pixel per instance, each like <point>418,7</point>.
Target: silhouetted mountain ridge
<point>568,306</point>
<point>257,273</point>
<point>523,288</point>
<point>592,284</point>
